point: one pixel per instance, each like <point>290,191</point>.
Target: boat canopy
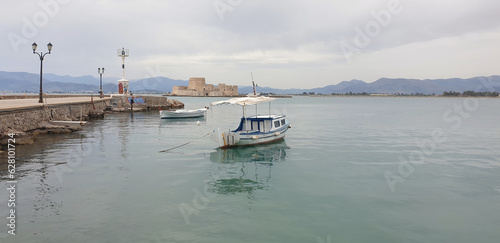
<point>243,101</point>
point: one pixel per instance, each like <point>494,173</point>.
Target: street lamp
<point>41,55</point>
<point>100,74</point>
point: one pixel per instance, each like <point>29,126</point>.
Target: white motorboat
<point>253,130</point>
<point>169,114</point>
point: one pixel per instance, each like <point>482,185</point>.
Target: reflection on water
<point>246,169</point>
<point>43,201</point>
<point>267,153</point>
<point>124,132</point>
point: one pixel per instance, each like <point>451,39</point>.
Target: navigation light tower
<point>123,83</point>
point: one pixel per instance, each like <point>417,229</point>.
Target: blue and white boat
<point>253,130</point>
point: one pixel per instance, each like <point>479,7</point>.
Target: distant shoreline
<point>401,96</point>
<point>20,95</point>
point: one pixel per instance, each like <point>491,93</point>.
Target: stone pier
<point>27,118</point>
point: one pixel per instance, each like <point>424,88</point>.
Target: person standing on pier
<point>131,99</point>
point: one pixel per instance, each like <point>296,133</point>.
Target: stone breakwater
<point>28,119</point>
<point>141,102</point>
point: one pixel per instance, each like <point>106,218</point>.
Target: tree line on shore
<point>471,93</point>
<point>445,93</point>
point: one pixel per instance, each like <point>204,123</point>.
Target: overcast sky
<point>299,44</point>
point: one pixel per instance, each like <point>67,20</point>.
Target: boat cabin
<point>262,124</point>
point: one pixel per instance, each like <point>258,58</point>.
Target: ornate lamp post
<point>100,74</point>
<point>41,55</point>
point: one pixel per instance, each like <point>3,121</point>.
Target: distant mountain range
<point>29,82</point>
<point>396,86</point>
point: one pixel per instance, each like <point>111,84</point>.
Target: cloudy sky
<point>299,44</point>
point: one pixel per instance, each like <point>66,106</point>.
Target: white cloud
<point>289,43</point>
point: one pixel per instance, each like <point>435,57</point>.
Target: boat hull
<point>182,114</point>
<point>250,141</point>
<point>237,139</point>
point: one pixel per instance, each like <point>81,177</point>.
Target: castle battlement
<point>198,87</point>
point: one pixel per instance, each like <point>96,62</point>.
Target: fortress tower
<point>196,83</point>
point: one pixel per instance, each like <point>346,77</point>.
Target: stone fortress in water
<point>198,87</point>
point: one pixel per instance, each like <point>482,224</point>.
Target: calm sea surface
<point>351,169</point>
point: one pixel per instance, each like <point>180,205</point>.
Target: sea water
<point>351,169</point>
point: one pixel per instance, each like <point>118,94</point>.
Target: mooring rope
<point>184,144</point>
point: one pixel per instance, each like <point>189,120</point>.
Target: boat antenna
<point>269,109</point>
<point>253,83</point>
<point>254,94</point>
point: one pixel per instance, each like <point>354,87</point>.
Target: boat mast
<point>269,109</point>
<point>246,120</point>
<point>253,84</point>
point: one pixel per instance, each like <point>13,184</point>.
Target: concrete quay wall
<point>27,123</point>
<point>27,118</point>
<point>48,96</point>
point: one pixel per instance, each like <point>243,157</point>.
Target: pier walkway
<point>19,104</point>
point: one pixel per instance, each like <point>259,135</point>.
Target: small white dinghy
<point>169,114</point>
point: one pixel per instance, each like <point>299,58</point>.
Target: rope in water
<point>184,144</point>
